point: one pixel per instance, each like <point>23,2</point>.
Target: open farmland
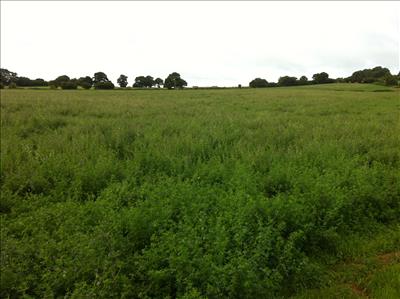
<point>231,193</point>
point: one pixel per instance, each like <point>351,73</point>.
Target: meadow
<point>231,193</point>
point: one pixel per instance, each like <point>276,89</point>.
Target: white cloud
<point>209,43</point>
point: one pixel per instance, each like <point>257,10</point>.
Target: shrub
<point>12,85</point>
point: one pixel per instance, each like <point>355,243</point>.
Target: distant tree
<point>69,84</point>
<point>239,85</point>
<point>376,74</point>
<point>122,81</point>
<point>287,81</point>
<point>7,77</point>
<point>104,85</point>
<point>60,80</point>
<point>140,81</point>
<point>303,80</point>
<point>321,78</point>
<point>100,77</point>
<point>391,80</point>
<point>24,81</point>
<point>149,81</point>
<point>258,82</point>
<point>100,81</point>
<point>85,82</point>
<point>175,81</point>
<point>39,82</point>
<point>159,82</point>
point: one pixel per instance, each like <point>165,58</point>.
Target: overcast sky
<point>208,43</point>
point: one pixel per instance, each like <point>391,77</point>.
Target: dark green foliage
<point>322,78</point>
<point>100,77</point>
<point>159,82</point>
<point>287,81</point>
<point>122,81</point>
<point>85,82</point>
<point>303,80</point>
<point>174,81</point>
<point>375,74</point>
<point>144,82</point>
<point>391,80</point>
<point>7,77</point>
<point>24,81</point>
<point>204,193</point>
<point>104,85</point>
<point>69,85</point>
<point>258,82</point>
<point>59,81</point>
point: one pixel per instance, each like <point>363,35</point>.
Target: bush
<point>1,85</point>
<point>104,85</point>
<point>69,85</point>
<point>12,85</point>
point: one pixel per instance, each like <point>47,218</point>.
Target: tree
<point>69,84</point>
<point>100,77</point>
<point>321,78</point>
<point>159,82</point>
<point>390,80</point>
<point>7,77</point>
<point>39,82</point>
<point>24,81</point>
<point>104,85</point>
<point>175,81</point>
<point>100,81</point>
<point>122,81</point>
<point>287,81</point>
<point>258,82</point>
<point>303,80</point>
<point>375,74</point>
<point>149,81</point>
<point>85,82</point>
<point>60,80</point>
<point>140,81</point>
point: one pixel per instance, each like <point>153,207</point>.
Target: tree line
<point>377,74</point>
<point>98,81</point>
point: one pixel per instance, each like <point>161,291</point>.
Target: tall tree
<point>140,81</point>
<point>100,77</point>
<point>100,81</point>
<point>122,81</point>
<point>149,81</point>
<point>174,80</point>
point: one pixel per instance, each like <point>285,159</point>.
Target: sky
<point>210,43</point>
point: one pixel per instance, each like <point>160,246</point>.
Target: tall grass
<point>182,194</point>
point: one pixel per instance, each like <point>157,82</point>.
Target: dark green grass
<point>182,194</point>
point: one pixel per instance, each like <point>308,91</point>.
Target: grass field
<point>236,193</point>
